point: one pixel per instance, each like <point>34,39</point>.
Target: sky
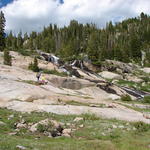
<point>33,15</point>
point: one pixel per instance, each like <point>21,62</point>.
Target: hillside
<point>88,108</point>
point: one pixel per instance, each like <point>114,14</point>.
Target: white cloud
<point>28,15</point>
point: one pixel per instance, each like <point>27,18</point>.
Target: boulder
<point>77,119</point>
<point>133,79</point>
<point>21,147</point>
<point>66,132</point>
<point>112,65</point>
<point>110,75</point>
<point>21,125</point>
<point>146,69</point>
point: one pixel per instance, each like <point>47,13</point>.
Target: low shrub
<point>126,98</point>
<point>146,99</point>
<point>141,126</point>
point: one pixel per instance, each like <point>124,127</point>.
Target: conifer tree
<point>2,33</point>
<point>34,66</point>
<point>7,58</point>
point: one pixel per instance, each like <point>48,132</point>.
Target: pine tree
<point>7,58</point>
<point>34,66</point>
<point>2,33</point>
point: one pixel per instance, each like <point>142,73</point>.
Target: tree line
<point>123,41</point>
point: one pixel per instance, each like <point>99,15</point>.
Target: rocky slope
<point>63,95</point>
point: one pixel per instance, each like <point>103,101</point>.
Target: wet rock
<point>106,87</point>
<point>77,119</point>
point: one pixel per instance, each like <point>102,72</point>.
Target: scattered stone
<point>2,123</point>
<point>146,115</point>
<point>12,133</point>
<point>81,126</point>
<point>10,117</point>
<point>22,121</point>
<point>47,133</point>
<point>134,128</point>
<point>128,129</point>
<point>68,124</point>
<point>66,135</point>
<point>109,130</point>
<point>114,126</point>
<point>77,119</point>
<point>103,134</point>
<point>67,131</point>
<point>94,105</point>
<point>121,126</point>
<point>111,106</point>
<point>21,125</point>
<point>20,147</point>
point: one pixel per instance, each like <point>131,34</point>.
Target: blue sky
<point>4,2</point>
<point>33,15</point>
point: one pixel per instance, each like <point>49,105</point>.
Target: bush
<point>7,58</point>
<point>41,128</point>
<point>25,52</point>
<point>34,66</point>
<point>146,99</point>
<point>126,98</point>
<point>141,126</point>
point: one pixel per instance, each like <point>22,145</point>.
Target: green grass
<point>55,72</point>
<point>83,104</point>
<point>30,82</point>
<point>134,85</point>
<point>146,99</point>
<point>89,137</point>
<point>126,98</point>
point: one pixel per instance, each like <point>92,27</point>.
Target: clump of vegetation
<point>141,126</point>
<point>55,72</point>
<point>42,128</point>
<point>25,52</point>
<point>146,99</point>
<point>30,82</point>
<point>34,65</point>
<point>7,58</point>
<point>126,98</point>
<point>90,117</point>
